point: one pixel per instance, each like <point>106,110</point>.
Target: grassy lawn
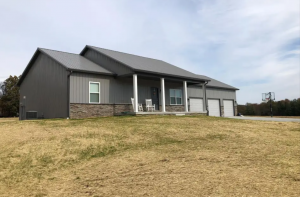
<point>149,156</point>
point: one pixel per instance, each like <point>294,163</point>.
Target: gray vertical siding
<point>115,90</point>
<point>120,90</point>
<point>45,88</point>
<point>111,89</point>
<point>106,62</point>
<point>212,93</point>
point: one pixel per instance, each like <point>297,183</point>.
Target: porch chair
<point>140,106</point>
<point>149,105</point>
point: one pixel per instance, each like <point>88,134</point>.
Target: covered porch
<point>177,98</point>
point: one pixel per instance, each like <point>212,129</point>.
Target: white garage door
<point>196,104</point>
<point>228,108</point>
<point>214,107</point>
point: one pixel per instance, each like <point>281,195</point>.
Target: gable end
<point>106,61</point>
<point>32,61</point>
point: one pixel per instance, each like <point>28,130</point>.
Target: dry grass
<point>8,119</point>
<point>149,156</point>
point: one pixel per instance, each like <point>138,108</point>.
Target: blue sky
<point>252,45</point>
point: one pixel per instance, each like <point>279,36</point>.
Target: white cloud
<point>252,37</point>
<point>247,44</point>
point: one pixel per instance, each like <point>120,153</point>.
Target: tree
<point>279,108</point>
<point>297,105</point>
<point>249,109</point>
<point>9,101</point>
<point>241,109</point>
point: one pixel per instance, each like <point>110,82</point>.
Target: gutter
<point>206,103</point>
<point>218,87</point>
<point>69,91</point>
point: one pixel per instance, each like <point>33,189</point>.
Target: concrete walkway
<point>266,119</point>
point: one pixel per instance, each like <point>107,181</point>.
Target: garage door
<point>228,108</point>
<point>214,107</point>
<point>196,104</point>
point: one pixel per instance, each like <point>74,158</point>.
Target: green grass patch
<point>45,160</point>
<point>217,136</point>
<point>93,151</point>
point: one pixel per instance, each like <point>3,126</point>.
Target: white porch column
<point>186,108</point>
<point>163,99</point>
<point>135,92</point>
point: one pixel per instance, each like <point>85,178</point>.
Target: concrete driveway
<point>266,119</point>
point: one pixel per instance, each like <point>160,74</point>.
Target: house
<point>101,82</point>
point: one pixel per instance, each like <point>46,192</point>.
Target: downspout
<point>69,92</point>
<point>206,103</point>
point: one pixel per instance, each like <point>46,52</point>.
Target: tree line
<point>9,97</point>
<point>280,108</point>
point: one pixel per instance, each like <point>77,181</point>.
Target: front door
<point>154,97</point>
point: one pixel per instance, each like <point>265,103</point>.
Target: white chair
<point>149,105</point>
<point>140,106</point>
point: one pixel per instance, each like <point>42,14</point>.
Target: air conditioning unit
<point>31,115</point>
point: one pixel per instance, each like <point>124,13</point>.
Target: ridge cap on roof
<point>124,53</point>
<point>58,51</point>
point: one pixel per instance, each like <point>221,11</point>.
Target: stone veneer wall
<point>174,108</point>
<point>169,108</point>
<point>222,111</point>
<point>118,108</point>
<point>79,110</point>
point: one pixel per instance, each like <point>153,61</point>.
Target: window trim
<point>175,97</point>
<point>93,82</point>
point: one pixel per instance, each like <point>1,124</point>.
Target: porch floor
<point>161,113</point>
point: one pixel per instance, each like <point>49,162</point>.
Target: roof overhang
<point>153,75</point>
<point>219,87</point>
<point>34,57</point>
<point>91,72</point>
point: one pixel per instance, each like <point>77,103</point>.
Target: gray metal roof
<point>137,63</point>
<point>75,61</point>
<point>144,64</point>
<point>216,83</point>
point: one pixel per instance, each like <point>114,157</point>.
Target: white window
<point>175,97</point>
<point>94,92</point>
